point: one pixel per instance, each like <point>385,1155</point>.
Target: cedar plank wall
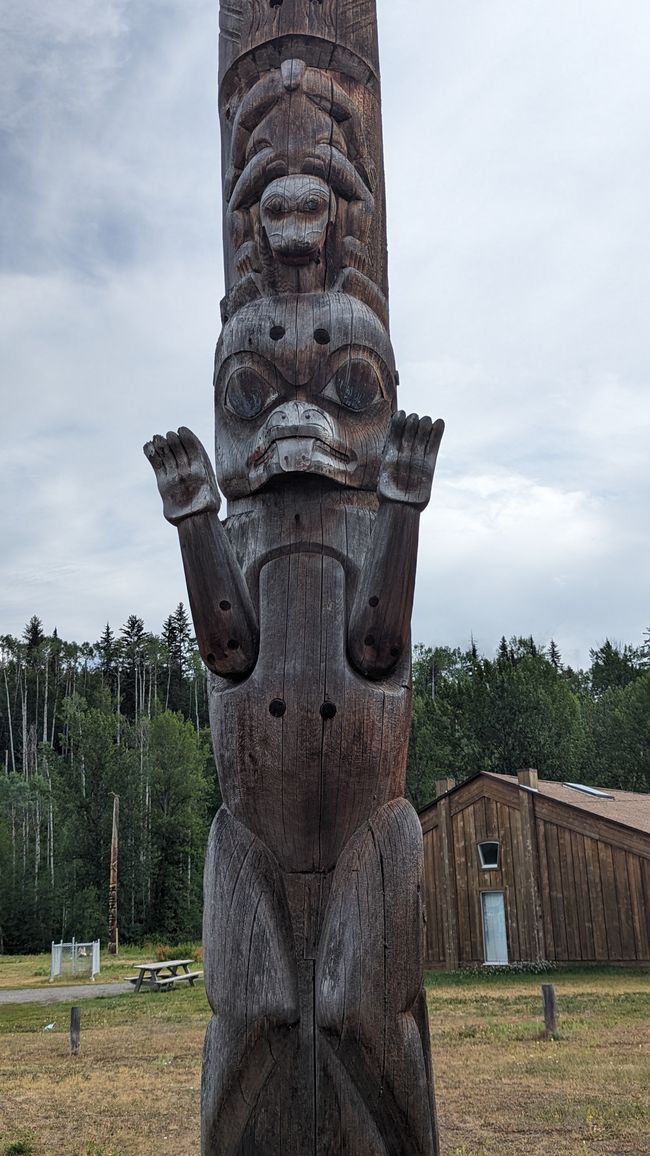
<point>596,907</point>
<point>593,880</point>
<point>434,948</point>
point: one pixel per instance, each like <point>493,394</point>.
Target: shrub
<point>523,967</point>
<point>185,950</point>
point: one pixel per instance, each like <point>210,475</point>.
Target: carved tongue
<point>295,453</point>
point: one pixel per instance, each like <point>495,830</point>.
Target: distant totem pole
<point>302,599</point>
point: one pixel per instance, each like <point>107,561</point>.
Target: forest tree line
<point>127,715</point>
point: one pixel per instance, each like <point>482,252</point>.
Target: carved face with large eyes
<point>295,212</point>
<point>303,384</point>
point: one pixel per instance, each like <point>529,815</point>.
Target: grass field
<point>34,970</point>
<point>134,1089</point>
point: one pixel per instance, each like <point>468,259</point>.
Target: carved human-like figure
<point>298,121</point>
<point>301,603</point>
<point>301,600</point>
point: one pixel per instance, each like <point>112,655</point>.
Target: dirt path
<point>63,994</point>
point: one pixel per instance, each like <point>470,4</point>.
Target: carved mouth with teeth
<point>298,452</point>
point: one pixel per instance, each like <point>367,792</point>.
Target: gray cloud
<point>518,181</point>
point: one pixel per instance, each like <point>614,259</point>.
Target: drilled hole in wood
<point>224,605</point>
<point>277,331</point>
<point>395,651</point>
<point>211,660</point>
<point>276,3</point>
<point>277,707</point>
<point>322,336</point>
<point>374,601</point>
<point>233,644</point>
<point>328,710</point>
<point>369,640</point>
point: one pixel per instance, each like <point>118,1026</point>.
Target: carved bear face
<point>303,384</point>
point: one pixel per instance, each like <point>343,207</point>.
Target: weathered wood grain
<point>302,600</point>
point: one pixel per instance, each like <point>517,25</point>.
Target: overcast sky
<point>517,160</point>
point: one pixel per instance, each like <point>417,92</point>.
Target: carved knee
<point>250,970</point>
<point>370,955</point>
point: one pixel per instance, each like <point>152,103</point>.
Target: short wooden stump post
<point>75,1030</point>
<point>550,1012</point>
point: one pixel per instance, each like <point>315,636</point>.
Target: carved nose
<point>298,414</point>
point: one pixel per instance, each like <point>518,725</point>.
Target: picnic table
<point>156,976</point>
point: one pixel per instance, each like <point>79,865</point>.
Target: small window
<point>589,791</point>
<point>489,855</point>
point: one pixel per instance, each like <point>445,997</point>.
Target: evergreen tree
<point>614,666</point>
<point>554,656</point>
<point>33,635</point>
<point>107,651</point>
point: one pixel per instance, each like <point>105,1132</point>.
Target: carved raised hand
<point>184,475</point>
<point>409,459</point>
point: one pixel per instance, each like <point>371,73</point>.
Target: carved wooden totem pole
<point>302,601</point>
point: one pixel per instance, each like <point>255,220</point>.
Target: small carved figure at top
<point>298,121</point>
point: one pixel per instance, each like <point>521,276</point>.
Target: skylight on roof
<point>590,791</point>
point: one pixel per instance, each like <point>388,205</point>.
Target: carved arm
<point>379,626</point>
<point>224,618</point>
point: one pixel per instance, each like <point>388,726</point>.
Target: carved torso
<point>307,749</point>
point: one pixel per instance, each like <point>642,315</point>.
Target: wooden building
<point>522,869</point>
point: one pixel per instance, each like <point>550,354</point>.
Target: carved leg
<point>369,979</point>
<point>250,978</point>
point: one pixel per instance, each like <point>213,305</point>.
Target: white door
<point>495,939</point>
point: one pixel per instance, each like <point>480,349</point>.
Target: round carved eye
<point>312,204</point>
<point>248,394</point>
<point>355,385</point>
<point>275,206</point>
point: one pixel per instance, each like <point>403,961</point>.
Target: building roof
<point>627,807</point>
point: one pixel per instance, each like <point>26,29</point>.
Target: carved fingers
<point>409,459</point>
<point>184,475</point>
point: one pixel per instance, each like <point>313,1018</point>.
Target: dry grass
<point>501,1089</point>
<point>134,1089</point>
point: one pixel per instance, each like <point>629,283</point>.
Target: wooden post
<point>113,935</point>
<point>534,913</point>
<point>550,1012</point>
<point>301,599</point>
<point>75,1030</point>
